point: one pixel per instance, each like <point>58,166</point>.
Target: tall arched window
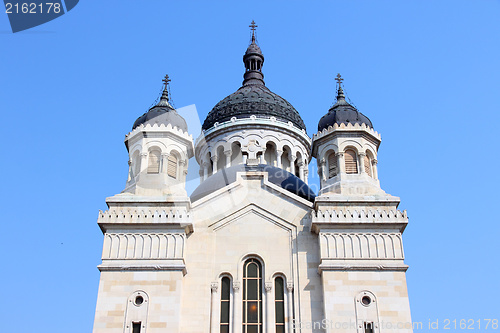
<point>172,166</point>
<point>154,161</point>
<point>351,163</point>
<point>332,165</point>
<point>368,165</point>
<point>279,299</point>
<point>252,297</point>
<point>225,299</point>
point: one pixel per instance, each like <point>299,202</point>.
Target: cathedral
<point>253,249</point>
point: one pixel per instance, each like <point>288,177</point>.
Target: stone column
<point>213,318</point>
<point>228,154</point>
<point>214,158</point>
<point>361,162</point>
<point>270,320</point>
<point>278,158</point>
<point>144,162</point>
<point>374,168</point>
<point>238,308</point>
<point>263,157</point>
<point>340,162</point>
<point>292,159</point>
<point>306,175</point>
<point>322,169</point>
<point>201,174</point>
<point>182,172</point>
<point>301,169</point>
<point>244,157</point>
<point>130,172</point>
<point>205,169</point>
<point>164,162</point>
<point>289,288</point>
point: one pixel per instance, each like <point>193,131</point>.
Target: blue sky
<point>425,72</point>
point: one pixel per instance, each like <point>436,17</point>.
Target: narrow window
<point>368,166</point>
<point>252,297</point>
<point>154,162</point>
<point>136,327</point>
<point>351,163</point>
<point>279,297</point>
<point>172,166</point>
<point>332,165</point>
<point>224,305</point>
<point>368,327</point>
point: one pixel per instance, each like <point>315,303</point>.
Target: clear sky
<point>425,72</point>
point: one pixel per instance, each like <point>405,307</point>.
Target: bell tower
<point>359,227</point>
<point>146,228</point>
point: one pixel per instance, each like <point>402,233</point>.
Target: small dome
<point>342,113</point>
<point>277,176</point>
<point>162,113</point>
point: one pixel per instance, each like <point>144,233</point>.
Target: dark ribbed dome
<point>343,113</point>
<point>162,113</point>
<point>253,98</point>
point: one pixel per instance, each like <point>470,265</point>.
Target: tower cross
<point>253,26</point>
<point>166,80</point>
<point>339,79</point>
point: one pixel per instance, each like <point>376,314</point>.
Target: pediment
<point>259,214</point>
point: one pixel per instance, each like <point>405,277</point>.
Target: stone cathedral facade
<point>253,249</point>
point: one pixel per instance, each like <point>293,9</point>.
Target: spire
<point>164,96</point>
<point>253,60</point>
<point>340,92</point>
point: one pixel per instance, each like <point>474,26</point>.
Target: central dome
<point>253,98</point>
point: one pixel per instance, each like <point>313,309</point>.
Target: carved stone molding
<point>236,286</point>
<point>214,286</point>
<point>268,286</point>
<point>289,286</point>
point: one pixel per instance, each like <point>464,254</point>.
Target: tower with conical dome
<point>253,249</point>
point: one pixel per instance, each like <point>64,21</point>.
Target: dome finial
<point>340,92</point>
<point>253,60</point>
<point>252,27</point>
<point>164,96</point>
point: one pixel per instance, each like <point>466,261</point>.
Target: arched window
<point>279,299</point>
<point>368,165</point>
<point>172,166</point>
<point>332,165</point>
<point>225,299</point>
<point>252,297</point>
<point>351,163</point>
<point>154,161</point>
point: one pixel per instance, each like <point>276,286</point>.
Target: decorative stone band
<point>143,246</point>
<point>347,128</point>
<point>255,121</point>
<point>348,266</point>
<point>159,128</point>
<point>362,245</point>
<point>177,218</point>
<point>151,265</point>
<point>359,219</point>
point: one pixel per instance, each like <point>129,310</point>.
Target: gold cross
<point>339,79</point>
<point>166,80</point>
<point>253,26</point>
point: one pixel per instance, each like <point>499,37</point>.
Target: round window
<point>139,300</point>
<point>366,300</point>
